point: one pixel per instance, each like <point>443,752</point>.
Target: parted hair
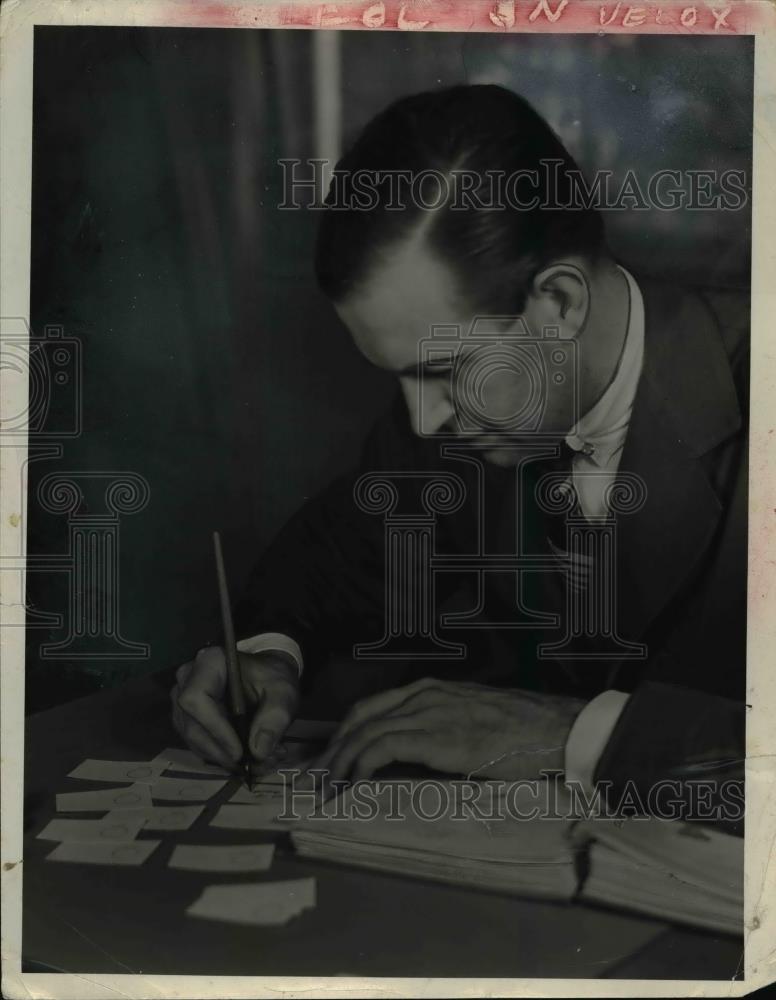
<point>494,248</point>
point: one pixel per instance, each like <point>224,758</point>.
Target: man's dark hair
<point>494,252</point>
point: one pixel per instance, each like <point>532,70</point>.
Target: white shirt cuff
<point>272,642</point>
<point>589,735</point>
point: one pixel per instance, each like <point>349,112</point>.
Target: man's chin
<point>512,454</point>
<point>505,457</point>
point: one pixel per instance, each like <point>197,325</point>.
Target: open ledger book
<point>523,840</point>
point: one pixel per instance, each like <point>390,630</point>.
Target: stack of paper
<point>680,872</point>
<point>502,844</point>
<point>533,845</point>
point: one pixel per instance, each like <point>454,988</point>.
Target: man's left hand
<point>459,728</point>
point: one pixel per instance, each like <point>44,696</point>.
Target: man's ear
<point>561,297</point>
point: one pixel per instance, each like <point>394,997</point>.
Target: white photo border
<point>17,21</point>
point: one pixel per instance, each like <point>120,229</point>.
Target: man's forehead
<point>405,296</point>
<point>408,298</point>
<point>412,276</point>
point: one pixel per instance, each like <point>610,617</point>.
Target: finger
<point>260,669</point>
<point>201,699</point>
<point>340,761</point>
<point>424,699</point>
<point>380,704</point>
<point>276,710</point>
<point>200,740</point>
<point>409,747</point>
<point>207,673</point>
<point>183,672</point>
<point>211,715</point>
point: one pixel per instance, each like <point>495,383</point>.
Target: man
<point>656,401</point>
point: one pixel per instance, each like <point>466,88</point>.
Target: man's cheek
<point>506,399</point>
<point>558,412</point>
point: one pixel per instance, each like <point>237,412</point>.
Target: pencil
<point>237,701</point>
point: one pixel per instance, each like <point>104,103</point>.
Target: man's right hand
<point>199,704</point>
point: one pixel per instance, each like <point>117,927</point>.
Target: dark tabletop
<point>94,918</point>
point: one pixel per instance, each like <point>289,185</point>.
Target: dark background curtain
<point>211,365</point>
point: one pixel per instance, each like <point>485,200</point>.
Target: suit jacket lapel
<point>659,544</point>
<point>685,405</point>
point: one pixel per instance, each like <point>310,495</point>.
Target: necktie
<point>568,591</point>
<point>558,499</point>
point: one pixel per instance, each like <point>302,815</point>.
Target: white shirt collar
<point>600,434</point>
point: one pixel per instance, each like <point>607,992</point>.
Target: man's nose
<point>428,404</point>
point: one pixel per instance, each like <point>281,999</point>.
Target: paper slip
<point>143,771</point>
<point>165,817</point>
<point>186,761</point>
<point>258,817</point>
<point>271,778</point>
<point>292,775</point>
<point>185,789</point>
<point>222,858</point>
<point>292,754</point>
<point>260,904</point>
<point>121,825</point>
<point>133,852</point>
<point>259,794</point>
<point>134,797</point>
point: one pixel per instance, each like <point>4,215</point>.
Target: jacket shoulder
<point>715,321</point>
<point>392,444</point>
<point>732,311</point>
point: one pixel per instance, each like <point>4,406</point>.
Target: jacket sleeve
<point>322,579</point>
<point>674,748</point>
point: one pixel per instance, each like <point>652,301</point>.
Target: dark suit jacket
<point>681,559</point>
